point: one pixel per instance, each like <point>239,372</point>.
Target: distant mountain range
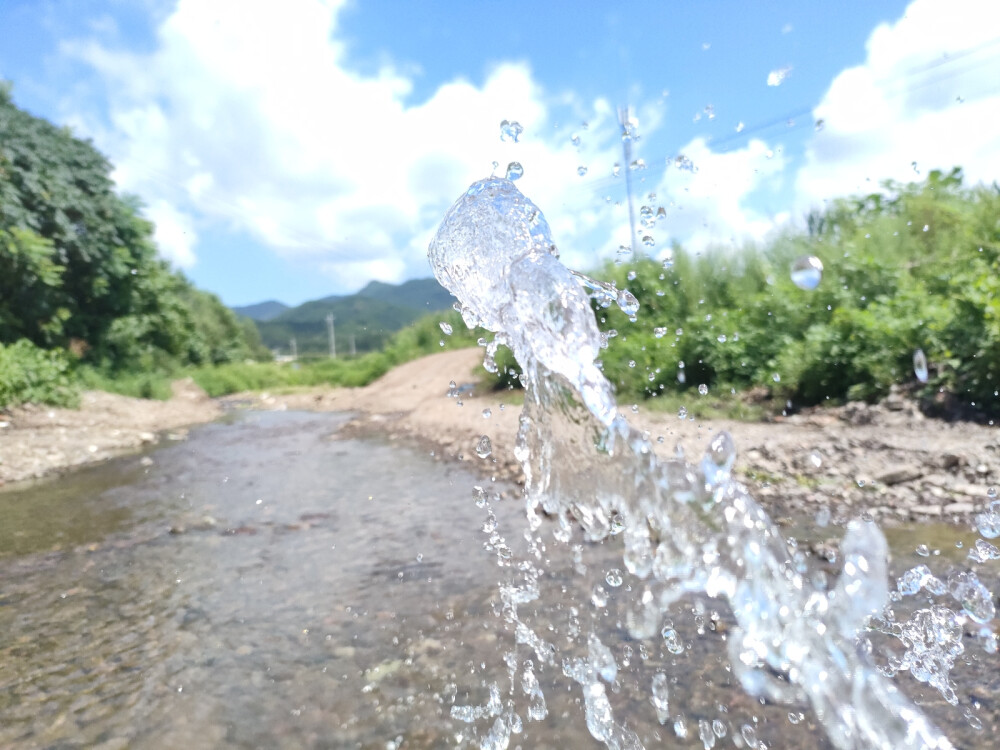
<point>362,321</point>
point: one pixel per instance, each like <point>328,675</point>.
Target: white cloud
<point>174,235</point>
<point>706,199</point>
<point>247,115</point>
<point>926,94</point>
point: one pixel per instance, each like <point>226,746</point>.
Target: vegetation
<point>79,274</point>
<point>915,267</point>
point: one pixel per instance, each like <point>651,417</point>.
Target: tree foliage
<point>78,267</point>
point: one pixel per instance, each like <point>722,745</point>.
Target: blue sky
<point>299,149</point>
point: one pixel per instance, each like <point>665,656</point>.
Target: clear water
<point>800,637</point>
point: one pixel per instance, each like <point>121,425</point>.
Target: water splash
<point>686,528</point>
<point>807,272</point>
<point>920,365</point>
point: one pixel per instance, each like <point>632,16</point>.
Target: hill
<point>362,321</point>
<point>262,310</point>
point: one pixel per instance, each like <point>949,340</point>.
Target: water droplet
<point>659,332</point>
<point>815,459</point>
<point>510,132</point>
<point>445,328</point>
<point>648,241</point>
<point>922,550</point>
<point>575,139</point>
<point>484,447</point>
<point>514,171</point>
<point>661,697</point>
<point>703,389</point>
<point>807,272</point>
<point>479,495</point>
<point>599,596</point>
<point>581,170</point>
<point>672,640</point>
<point>920,365</point>
<point>682,413</point>
<point>647,216</point>
<point>721,338</point>
<point>614,577</point>
<point>820,124</point>
<point>487,413</point>
<point>776,378</point>
<point>627,302</point>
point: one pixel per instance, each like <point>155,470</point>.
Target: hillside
<point>262,310</point>
<point>367,318</point>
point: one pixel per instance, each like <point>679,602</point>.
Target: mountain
<point>423,294</point>
<point>262,310</point>
<point>363,321</point>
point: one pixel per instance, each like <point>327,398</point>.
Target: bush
<point>32,375</point>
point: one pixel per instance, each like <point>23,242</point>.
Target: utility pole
<point>333,335</point>
<point>624,117</point>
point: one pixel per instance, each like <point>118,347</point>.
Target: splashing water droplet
<point>484,447</point>
<point>575,139</point>
<point>920,365</point>
<point>445,328</point>
<point>614,577</point>
<point>661,697</point>
<point>648,241</point>
<point>487,413</point>
<point>703,389</point>
<point>807,272</point>
<point>659,332</point>
<point>721,338</point>
<point>515,171</point>
<point>581,170</point>
<point>510,131</point>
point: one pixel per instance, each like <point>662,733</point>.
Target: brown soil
<point>887,459</point>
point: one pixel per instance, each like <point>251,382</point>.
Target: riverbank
<point>887,459</point>
<point>39,441</point>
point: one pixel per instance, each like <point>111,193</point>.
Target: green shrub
<point>32,375</point>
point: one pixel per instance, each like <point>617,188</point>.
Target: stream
<point>269,583</point>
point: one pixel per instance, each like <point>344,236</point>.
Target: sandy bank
<point>37,441</point>
<point>887,459</point>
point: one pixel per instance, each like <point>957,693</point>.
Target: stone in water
<point>807,272</point>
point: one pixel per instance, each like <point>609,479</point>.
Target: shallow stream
<point>270,584</point>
